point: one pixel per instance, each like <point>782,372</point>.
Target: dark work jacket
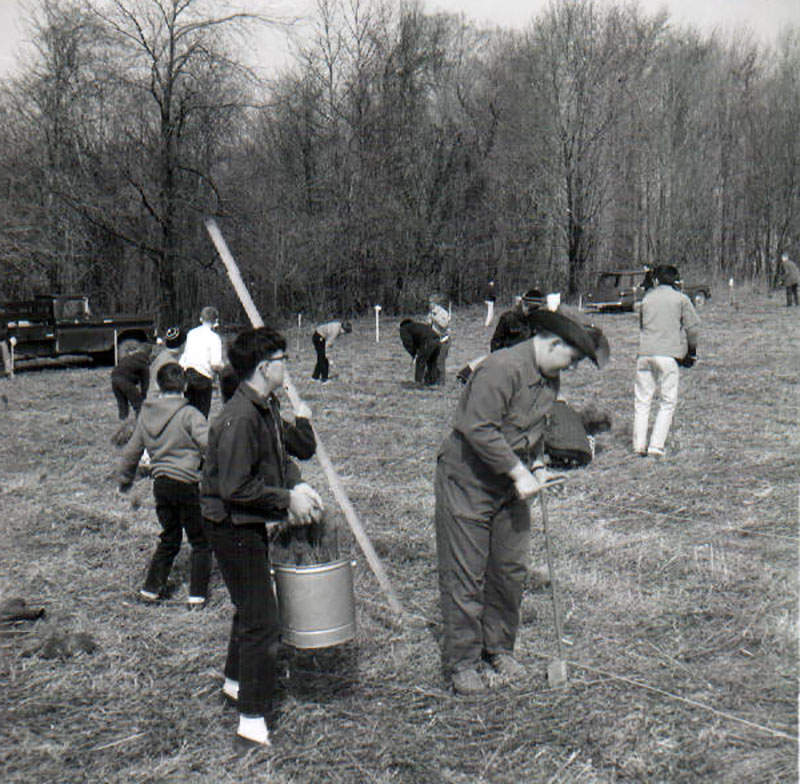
<point>512,328</point>
<point>135,369</point>
<point>418,338</point>
<point>248,472</point>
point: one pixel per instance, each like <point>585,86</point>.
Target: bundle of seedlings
<point>306,545</point>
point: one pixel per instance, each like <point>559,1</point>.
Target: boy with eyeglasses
<point>249,481</point>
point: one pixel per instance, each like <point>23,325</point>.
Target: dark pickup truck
<point>623,289</point>
<point>53,325</point>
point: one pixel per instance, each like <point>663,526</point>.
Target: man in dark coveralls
<point>513,326</point>
<point>487,468</point>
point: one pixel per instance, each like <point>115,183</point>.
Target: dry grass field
<point>679,582</point>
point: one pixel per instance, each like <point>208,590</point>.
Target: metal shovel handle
<point>553,582</point>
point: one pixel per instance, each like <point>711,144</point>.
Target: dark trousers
<point>242,552</point>
<point>128,395</point>
<point>426,365</point>
<point>178,510</point>
<point>199,389</point>
<point>791,295</point>
<point>322,366</point>
<point>482,570</point>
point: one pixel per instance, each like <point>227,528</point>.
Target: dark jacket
<point>135,369</point>
<point>512,328</point>
<point>248,473</point>
<point>418,338</point>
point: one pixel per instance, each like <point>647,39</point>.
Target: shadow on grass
<point>324,675</point>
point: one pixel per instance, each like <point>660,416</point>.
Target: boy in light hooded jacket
<point>175,434</point>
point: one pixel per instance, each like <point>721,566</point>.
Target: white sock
<point>253,728</point>
<point>231,688</point>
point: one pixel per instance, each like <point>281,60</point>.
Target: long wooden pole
<point>332,477</point>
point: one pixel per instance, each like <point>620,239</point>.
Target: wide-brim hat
<point>570,326</point>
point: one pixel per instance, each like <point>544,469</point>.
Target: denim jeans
<point>178,510</point>
<point>242,553</point>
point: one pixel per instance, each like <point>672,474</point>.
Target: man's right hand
<point>305,505</point>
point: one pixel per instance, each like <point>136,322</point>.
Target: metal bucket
<point>316,602</point>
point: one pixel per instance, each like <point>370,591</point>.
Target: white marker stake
<point>299,327</point>
<point>377,323</point>
<point>730,289</point>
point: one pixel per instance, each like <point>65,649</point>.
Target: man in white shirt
<point>201,359</point>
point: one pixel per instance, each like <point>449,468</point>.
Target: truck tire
<point>700,298</point>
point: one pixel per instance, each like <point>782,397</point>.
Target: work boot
<point>468,682</point>
<point>508,667</point>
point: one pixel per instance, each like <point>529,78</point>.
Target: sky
<point>764,17</point>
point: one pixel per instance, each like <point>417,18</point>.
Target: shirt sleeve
<point>198,429</point>
<point>237,453</point>
<point>131,457</point>
<point>299,438</point>
<point>215,352</point>
<point>690,322</point>
<point>481,419</point>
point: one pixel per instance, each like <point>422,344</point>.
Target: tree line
<point>399,152</point>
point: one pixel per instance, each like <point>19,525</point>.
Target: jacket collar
<point>526,359</point>
<point>245,390</point>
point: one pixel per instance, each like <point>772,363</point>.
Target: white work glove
<point>528,484</point>
<point>305,505</point>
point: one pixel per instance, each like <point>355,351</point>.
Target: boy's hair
<point>170,377</point>
<point>347,327</point>
<point>666,274</point>
<point>253,346</point>
<point>209,314</point>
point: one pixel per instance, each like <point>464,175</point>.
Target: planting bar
<point>331,475</point>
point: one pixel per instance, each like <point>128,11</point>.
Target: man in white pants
<point>668,332</point>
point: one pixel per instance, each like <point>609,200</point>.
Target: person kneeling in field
<point>487,469</point>
<point>175,435</point>
<point>248,482</point>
